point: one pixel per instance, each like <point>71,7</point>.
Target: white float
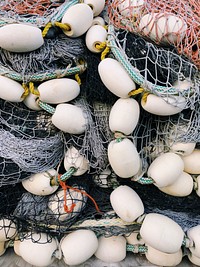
<point>39,252</point>
<point>74,159</point>
<point>182,187</point>
<point>69,118</point>
<point>130,8</point>
<point>20,38</point>
<point>79,18</point>
<point>183,149</point>
<point>192,162</point>
<point>98,21</point>
<point>58,91</point>
<point>147,25</point>
<point>97,6</point>
<point>124,116</point>
<point>170,28</point>
<point>126,203</point>
<point>162,233</point>
<point>31,102</point>
<point>40,183</point>
<point>10,90</point>
<point>115,77</point>
<point>163,259</point>
<point>134,238</point>
<point>163,106</point>
<point>7,230</point>
<point>56,203</point>
<point>124,158</point>
<point>95,36</point>
<point>78,246</point>
<point>111,249</point>
<point>166,169</point>
<point>195,260</point>
<point>194,235</point>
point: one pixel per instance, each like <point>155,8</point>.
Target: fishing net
<point>91,144</point>
<point>164,23</point>
<point>57,57</point>
<point>29,142</point>
<point>37,13</point>
<point>158,70</point>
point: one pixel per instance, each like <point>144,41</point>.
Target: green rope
<point>38,77</point>
<point>64,177</point>
<point>132,71</point>
<point>136,248</point>
<point>145,180</point>
<point>46,107</point>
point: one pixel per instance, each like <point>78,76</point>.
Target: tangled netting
<point>155,135</point>
<point>58,57</point>
<point>92,144</point>
<point>37,12</point>
<point>159,70</point>
<point>29,142</point>
<point>168,21</point>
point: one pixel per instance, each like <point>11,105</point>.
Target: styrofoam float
<point>124,115</point>
<point>20,38</point>
<point>115,77</point>
<point>78,246</point>
<point>166,169</point>
<point>161,233</point>
<point>124,158</point>
<point>126,203</point>
<point>79,18</point>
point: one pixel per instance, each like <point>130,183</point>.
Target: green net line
<point>133,72</point>
<point>38,77</point>
<point>136,248</point>
<point>42,21</point>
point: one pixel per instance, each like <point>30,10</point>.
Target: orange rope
<point>65,187</point>
<point>86,194</point>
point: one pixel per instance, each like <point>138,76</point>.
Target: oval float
<point>20,38</point>
<point>124,158</point>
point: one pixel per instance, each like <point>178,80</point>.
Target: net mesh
<point>29,142</point>
<point>174,22</point>
<point>158,70</point>
<point>58,57</point>
<point>37,12</point>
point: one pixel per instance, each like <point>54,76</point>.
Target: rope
<point>78,79</point>
<point>46,107</point>
<point>46,29</point>
<point>136,248</point>
<point>134,72</point>
<point>26,91</point>
<point>32,89</point>
<point>62,26</point>
<point>105,52</point>
<point>136,92</point>
<point>65,187</point>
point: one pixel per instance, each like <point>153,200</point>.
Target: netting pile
<point>37,12</point>
<point>163,22</point>
<point>82,127</point>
